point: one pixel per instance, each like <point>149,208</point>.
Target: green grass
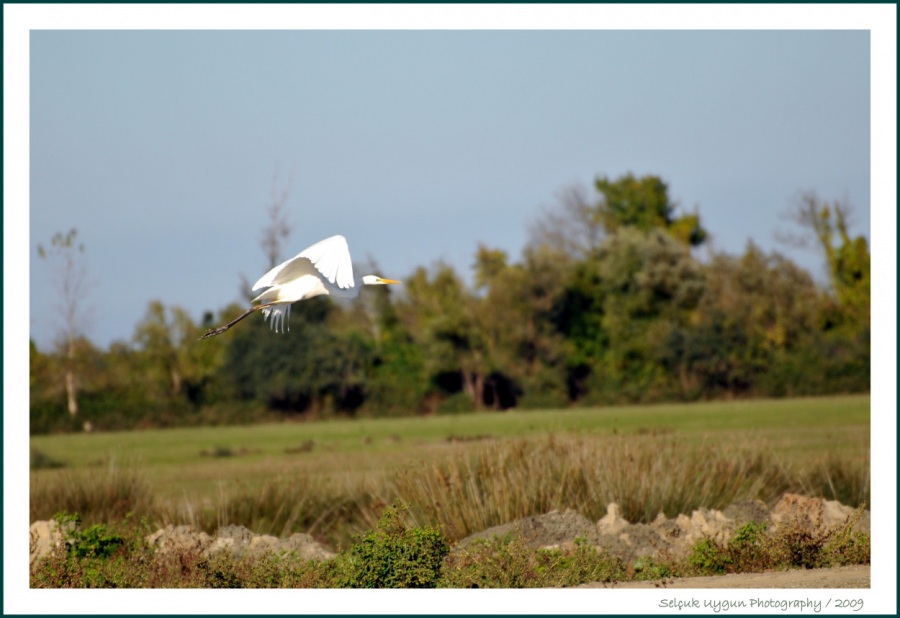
<point>332,478</point>
<point>784,421</point>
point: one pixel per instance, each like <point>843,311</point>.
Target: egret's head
<point>373,280</point>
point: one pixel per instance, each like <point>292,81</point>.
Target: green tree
<point>648,285</point>
<point>396,379</point>
<point>644,203</point>
<point>156,338</point>
<point>310,369</point>
<point>439,312</point>
<point>517,314</point>
<point>848,260</point>
<point>618,306</point>
<point>758,313</point>
<point>167,341</point>
<point>629,280</point>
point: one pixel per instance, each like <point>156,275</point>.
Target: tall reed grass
<point>845,479</point>
<point>473,487</point>
<point>646,476</point>
<point>319,506</point>
<point>100,494</point>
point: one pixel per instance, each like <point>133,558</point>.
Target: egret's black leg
<point>218,331</point>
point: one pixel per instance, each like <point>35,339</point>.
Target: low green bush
<point>792,544</point>
<point>507,562</point>
<point>395,555</point>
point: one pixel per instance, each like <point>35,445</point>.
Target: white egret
<point>323,268</point>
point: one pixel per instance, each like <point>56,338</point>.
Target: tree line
<point>607,304</point>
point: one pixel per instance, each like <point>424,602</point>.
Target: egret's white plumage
<point>330,257</point>
<point>323,268</point>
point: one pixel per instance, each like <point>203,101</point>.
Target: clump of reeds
<point>99,494</point>
<point>846,479</point>
<point>504,481</point>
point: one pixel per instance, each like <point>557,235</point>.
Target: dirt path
<point>838,577</point>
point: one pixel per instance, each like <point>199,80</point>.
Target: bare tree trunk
<point>71,389</point>
<point>176,380</point>
<point>469,387</point>
<point>73,283</point>
<point>473,385</point>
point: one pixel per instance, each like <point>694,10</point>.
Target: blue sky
<point>160,147</point>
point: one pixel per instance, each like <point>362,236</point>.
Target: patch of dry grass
<point>463,490</point>
<point>646,475</point>
<point>100,494</point>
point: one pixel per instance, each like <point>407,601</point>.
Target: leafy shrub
<point>848,548</point>
<point>507,562</point>
<point>395,556</point>
<point>219,571</point>
<point>646,567</point>
<point>97,541</point>
<point>708,558</point>
<point>747,548</point>
<point>792,544</point>
<point>798,546</point>
<point>99,556</point>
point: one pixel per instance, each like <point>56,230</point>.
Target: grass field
<point>334,476</point>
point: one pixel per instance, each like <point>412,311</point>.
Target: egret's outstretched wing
<point>330,257</point>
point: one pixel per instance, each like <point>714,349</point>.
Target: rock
<point>799,509</point>
<point>612,522</point>
<point>44,537</point>
<point>263,543</point>
<point>816,513</point>
<point>668,529</point>
<point>306,547</point>
<point>179,540</point>
<point>748,511</point>
<point>639,540</point>
<point>709,523</point>
<point>549,530</point>
<point>237,540</point>
<point>664,538</point>
<point>836,514</point>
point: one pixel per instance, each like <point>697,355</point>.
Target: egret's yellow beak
<point>388,280</point>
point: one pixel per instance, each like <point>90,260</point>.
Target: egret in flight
<point>324,268</point>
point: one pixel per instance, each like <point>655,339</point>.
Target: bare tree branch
<point>571,226</point>
<point>278,228</point>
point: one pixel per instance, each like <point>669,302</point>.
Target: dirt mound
<point>180,540</point>
<point>549,530</point>
<point>672,538</point>
<point>237,540</point>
